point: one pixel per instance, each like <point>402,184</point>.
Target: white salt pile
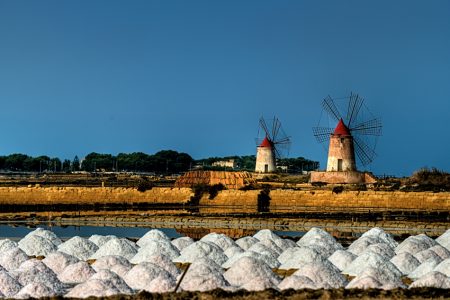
<point>321,241</point>
<point>155,247</point>
<point>262,248</point>
<point>366,282</point>
<point>47,234</point>
<point>150,277</point>
<point>443,252</point>
<point>182,242</point>
<point>287,254</point>
<point>203,275</point>
<point>219,239</point>
<point>444,239</point>
<point>381,249</point>
<point>152,235</point>
<point>232,251</point>
<point>425,267</point>
<point>116,246</point>
<point>100,240</point>
<point>297,283</point>
<point>268,259</point>
<point>35,290</point>
<point>7,244</point>
<point>300,257</point>
<point>117,264</point>
<point>8,285</point>
<point>12,258</point>
<point>415,244</point>
<point>199,250</point>
<point>323,274</point>
<point>166,263</point>
<point>249,269</point>
<point>266,234</point>
<point>443,267</point>
<point>360,245</point>
<point>341,259</point>
<point>426,254</point>
<point>93,288</point>
<point>76,273</point>
<point>58,261</point>
<point>35,271</point>
<point>35,245</point>
<point>113,278</point>
<point>258,284</point>
<point>246,242</point>
<point>367,260</point>
<point>405,262</point>
<point>389,278</point>
<point>432,279</point>
<point>79,247</point>
<point>381,235</point>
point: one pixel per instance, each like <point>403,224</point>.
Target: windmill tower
<point>352,142</point>
<point>272,144</point>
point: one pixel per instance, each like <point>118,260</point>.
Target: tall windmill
<point>356,132</point>
<point>272,144</point>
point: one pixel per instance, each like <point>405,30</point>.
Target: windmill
<point>272,144</point>
<point>356,132</point>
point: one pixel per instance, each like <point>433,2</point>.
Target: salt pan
<point>152,235</point>
<point>116,246</point>
<point>155,247</point>
<point>76,273</point>
<point>405,262</point>
<point>79,247</point>
<point>58,261</point>
<point>182,242</point>
<point>246,242</point>
<point>12,259</point>
<point>249,268</point>
<point>432,279</point>
<point>117,264</point>
<point>8,285</point>
<point>341,259</point>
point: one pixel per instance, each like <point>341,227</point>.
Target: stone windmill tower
<point>273,145</point>
<point>352,140</point>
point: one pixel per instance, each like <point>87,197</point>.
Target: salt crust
<point>425,267</point>
<point>444,239</point>
<point>366,260</point>
<point>249,268</point>
<point>269,259</point>
<point>100,240</point>
<point>301,256</point>
<point>386,238</point>
<point>182,242</point>
<point>415,244</point>
<point>266,234</point>
<point>426,254</point>
<point>116,246</point>
<point>201,249</point>
<point>432,279</point>
<point>76,273</point>
<point>117,264</point>
<point>12,259</point>
<point>35,245</point>
<point>152,235</point>
<point>113,278</point>
<point>341,259</point>
<point>246,242</point>
<point>35,271</point>
<point>8,285</point>
<point>93,288</point>
<point>296,283</point>
<point>58,261</point>
<point>79,247</point>
<point>381,249</point>
<point>141,276</point>
<point>47,234</point>
<point>155,247</point>
<point>221,240</point>
<point>7,244</point>
<point>35,290</point>
<point>443,267</point>
<point>203,275</point>
<point>232,251</point>
<point>324,274</point>
<point>405,262</point>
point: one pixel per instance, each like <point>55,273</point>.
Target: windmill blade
<point>363,151</point>
<point>330,107</point>
<point>322,134</point>
<point>370,127</point>
<point>276,126</point>
<point>263,125</point>
<point>282,150</point>
<point>354,106</point>
<point>285,140</point>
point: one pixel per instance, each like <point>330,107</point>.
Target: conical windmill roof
<point>341,129</point>
<point>266,143</point>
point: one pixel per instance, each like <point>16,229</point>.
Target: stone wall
<point>349,177</point>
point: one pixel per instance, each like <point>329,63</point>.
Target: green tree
<point>76,164</point>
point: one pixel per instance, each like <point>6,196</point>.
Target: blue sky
<point>195,76</point>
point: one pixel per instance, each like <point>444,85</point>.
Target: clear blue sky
<point>195,76</point>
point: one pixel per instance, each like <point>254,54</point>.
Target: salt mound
<point>152,235</point>
<point>8,285</point>
<point>232,251</point>
<point>201,249</point>
<point>361,244</point>
<point>287,254</point>
<point>364,283</point>
<point>424,268</point>
<point>366,260</point>
<point>117,264</point>
<point>249,268</point>
<point>93,288</point>
<point>441,251</point>
<point>34,245</point>
<point>320,240</point>
<point>262,248</point>
<point>76,273</point>
<point>12,259</point>
<point>385,275</point>
<point>7,244</point>
<point>164,262</point>
<point>296,283</point>
<point>46,234</point>
<point>116,246</point>
<point>341,259</point>
<point>113,278</point>
<point>425,255</point>
<point>100,240</point>
<point>324,274</point>
<point>432,279</point>
<point>379,233</point>
<point>246,242</point>
<point>154,247</point>
<point>79,247</point>
<point>35,290</point>
<point>415,244</point>
<point>221,240</point>
<point>300,257</point>
<point>201,276</point>
<point>35,271</point>
<point>58,261</point>
<point>141,276</point>
<point>444,239</point>
<point>381,249</point>
<point>266,234</point>
<point>258,284</point>
<point>405,262</point>
<point>182,242</point>
<point>268,259</point>
<point>443,267</point>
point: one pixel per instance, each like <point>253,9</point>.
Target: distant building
<point>231,163</point>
